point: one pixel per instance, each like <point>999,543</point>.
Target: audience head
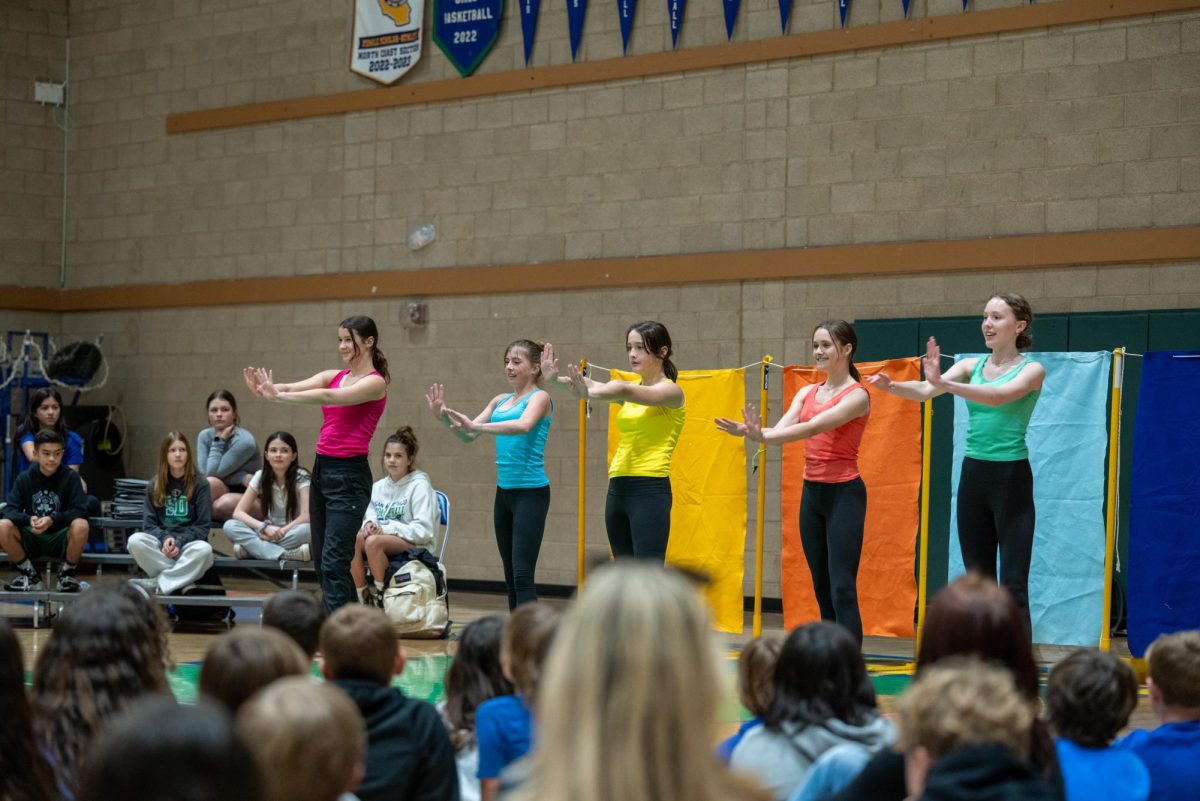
<point>162,751</point>
<point>243,661</point>
<point>820,675</point>
<point>358,642</point>
<point>49,446</point>
<point>151,612</point>
<point>400,453</point>
<point>474,676</point>
<point>1174,682</point>
<point>222,410</point>
<point>44,411</point>
<point>524,643</point>
<point>959,702</point>
<point>308,739</point>
<point>1090,696</point>
<point>102,656</point>
<point>974,616</point>
<point>24,773</point>
<point>756,673</point>
<point>299,615</point>
<point>626,707</point>
<point>174,455</point>
<point>280,450</point>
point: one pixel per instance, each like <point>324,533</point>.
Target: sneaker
<point>68,583</point>
<point>240,551</point>
<point>150,585</point>
<point>25,583</point>
<point>300,554</point>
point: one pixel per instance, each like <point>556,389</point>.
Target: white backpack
<point>415,599</point>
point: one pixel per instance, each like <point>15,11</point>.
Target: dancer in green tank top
<point>995,490</point>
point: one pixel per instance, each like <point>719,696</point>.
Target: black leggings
<point>637,514</point>
<point>831,531</point>
<point>995,510</point>
<point>520,519</point>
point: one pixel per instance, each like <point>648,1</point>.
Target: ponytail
<point>655,338</point>
<point>365,328</point>
<point>842,333</point>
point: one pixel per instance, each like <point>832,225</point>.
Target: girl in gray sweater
<point>226,454</point>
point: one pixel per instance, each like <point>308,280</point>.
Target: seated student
<point>1171,752</point>
<point>299,615</point>
<point>964,730</point>
<point>402,515</point>
<point>24,772</point>
<point>45,515</point>
<point>173,549</point>
<point>1089,698</point>
<point>504,725</point>
<point>307,739</point>
<point>822,698</point>
<point>474,676</point>
<point>409,756</point>
<point>160,750</point>
<point>755,684</point>
<point>226,454</point>
<point>271,519</point>
<point>45,411</point>
<point>241,662</point>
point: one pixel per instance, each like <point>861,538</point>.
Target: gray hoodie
<point>779,760</point>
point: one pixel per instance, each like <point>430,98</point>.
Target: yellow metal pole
<point>761,504</point>
<point>923,580</point>
<point>582,478</point>
<point>1110,519</point>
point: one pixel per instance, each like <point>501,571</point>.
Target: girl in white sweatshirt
<point>402,515</point>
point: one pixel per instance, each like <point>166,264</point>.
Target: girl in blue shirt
<point>45,411</point>
<point>520,421</point>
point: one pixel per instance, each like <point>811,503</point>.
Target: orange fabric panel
<point>890,463</point>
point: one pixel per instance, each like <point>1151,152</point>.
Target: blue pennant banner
<point>576,10</point>
<point>785,15</point>
<point>906,4</point>
<point>843,10</point>
<point>465,30</point>
<point>731,14</point>
<point>529,16</point>
<point>675,12</point>
<point>625,9</point>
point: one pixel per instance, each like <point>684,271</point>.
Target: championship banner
<point>889,461</point>
<point>529,17</point>
<point>625,9</point>
<point>708,485</point>
<point>387,38</point>
<point>731,13</point>
<point>1164,538</point>
<point>1068,440</point>
<point>843,10</point>
<point>465,30</point>
<point>675,9</point>
<point>785,14</point>
<point>576,11</point>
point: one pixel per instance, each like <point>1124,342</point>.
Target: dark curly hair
<point>1090,696</point>
<point>103,655</point>
<point>24,773</point>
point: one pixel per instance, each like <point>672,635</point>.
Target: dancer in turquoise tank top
<point>995,490</point>
<point>520,421</point>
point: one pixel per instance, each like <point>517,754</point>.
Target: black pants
<point>831,532</point>
<point>520,519</point>
<point>637,514</point>
<point>337,500</point>
<point>995,511</point>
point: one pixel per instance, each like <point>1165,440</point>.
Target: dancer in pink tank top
<point>352,401</point>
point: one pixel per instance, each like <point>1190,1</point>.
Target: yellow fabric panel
<point>708,484</point>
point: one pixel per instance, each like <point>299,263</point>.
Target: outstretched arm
<point>854,405</point>
<point>936,382</point>
<point>1029,379</point>
<point>436,398</point>
<point>368,388</point>
<point>535,410</point>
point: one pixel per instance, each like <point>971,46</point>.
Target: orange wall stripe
<point>867,37</point>
<point>1092,248</point>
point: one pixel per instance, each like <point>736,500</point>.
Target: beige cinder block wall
<point>1068,129</point>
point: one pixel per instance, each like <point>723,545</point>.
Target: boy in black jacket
<point>45,514</point>
<point>409,756</point>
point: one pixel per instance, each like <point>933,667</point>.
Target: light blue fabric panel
<point>1068,440</point>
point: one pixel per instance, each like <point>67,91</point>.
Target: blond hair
<point>307,739</point>
<point>959,702</point>
<point>628,697</point>
<point>358,642</point>
<point>524,643</point>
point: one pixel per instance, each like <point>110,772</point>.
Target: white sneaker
<point>240,551</point>
<point>299,554</point>
<point>150,585</point>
